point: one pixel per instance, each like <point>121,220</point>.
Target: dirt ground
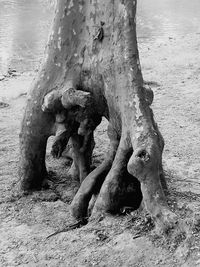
<point>171,67</point>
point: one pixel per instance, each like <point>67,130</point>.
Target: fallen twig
<point>69,227</point>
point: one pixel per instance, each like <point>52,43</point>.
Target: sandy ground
<point>172,69</point>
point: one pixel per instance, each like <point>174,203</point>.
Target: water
<point>167,18</point>
<point>24,26</point>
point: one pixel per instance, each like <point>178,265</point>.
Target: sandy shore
<point>172,69</point>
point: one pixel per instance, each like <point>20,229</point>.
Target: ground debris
<point>100,235</point>
<point>140,224</point>
<point>3,104</point>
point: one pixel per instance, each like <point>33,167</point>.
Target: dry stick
<point>69,227</point>
<point>136,236</point>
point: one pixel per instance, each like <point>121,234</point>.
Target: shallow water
<point>24,26</point>
<point>167,18</point>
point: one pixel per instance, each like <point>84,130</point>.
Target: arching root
<point>119,188</point>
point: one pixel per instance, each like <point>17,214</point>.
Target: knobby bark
<point>91,70</point>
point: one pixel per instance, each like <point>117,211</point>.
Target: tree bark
<point>93,48</point>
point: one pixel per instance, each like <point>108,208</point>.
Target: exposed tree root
<point>89,75</point>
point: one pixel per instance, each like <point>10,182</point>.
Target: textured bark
<point>93,49</point>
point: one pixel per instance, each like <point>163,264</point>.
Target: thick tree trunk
<point>61,70</point>
<point>93,48</point>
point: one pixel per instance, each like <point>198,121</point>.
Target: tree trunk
<point>93,48</point>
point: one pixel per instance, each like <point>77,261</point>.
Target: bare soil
<point>171,67</point>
